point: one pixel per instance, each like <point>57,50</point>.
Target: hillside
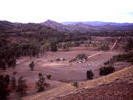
<point>56,25</point>
<point>116,86</point>
<point>19,32</point>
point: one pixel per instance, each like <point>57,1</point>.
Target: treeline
<point>11,51</point>
<point>112,33</point>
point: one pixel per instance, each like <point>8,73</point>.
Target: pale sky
<point>66,10</point>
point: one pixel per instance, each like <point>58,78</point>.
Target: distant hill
<point>68,28</point>
<point>88,26</point>
<point>5,25</point>
<point>74,27</point>
<point>97,23</point>
<point>56,25</point>
<point>19,32</point>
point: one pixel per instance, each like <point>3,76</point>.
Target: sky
<point>66,10</point>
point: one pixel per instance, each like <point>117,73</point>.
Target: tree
<point>129,45</point>
<point>89,74</point>
<point>40,83</point>
<point>31,65</point>
<point>104,47</point>
<point>7,79</point>
<point>4,82</point>
<point>65,47</point>
<point>106,70</point>
<point>3,65</point>
<point>21,89</point>
<point>75,84</point>
<point>53,46</point>
<point>12,62</point>
<point>13,80</point>
<point>82,56</point>
<point>49,76</point>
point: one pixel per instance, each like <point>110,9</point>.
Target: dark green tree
<point>106,70</point>
<point>129,45</point>
<point>21,89</point>
<point>82,56</point>
<point>4,82</point>
<point>89,74</point>
<point>13,81</point>
<point>40,83</point>
<point>53,46</point>
<point>31,65</point>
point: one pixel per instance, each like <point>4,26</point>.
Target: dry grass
<point>68,92</point>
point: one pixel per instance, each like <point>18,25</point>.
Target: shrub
<point>22,86</point>
<point>65,47</point>
<point>104,47</point>
<point>129,45</point>
<point>13,82</point>
<point>82,56</point>
<point>53,46</point>
<point>72,60</point>
<point>4,83</point>
<point>49,77</point>
<point>76,44</point>
<point>75,84</point>
<point>58,59</point>
<point>107,62</point>
<point>40,83</point>
<point>125,57</point>
<point>89,74</point>
<point>31,65</point>
<point>106,70</point>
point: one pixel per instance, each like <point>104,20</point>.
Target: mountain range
<point>88,26</point>
<point>81,27</point>
<point>97,23</point>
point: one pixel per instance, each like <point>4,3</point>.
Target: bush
<point>40,83</point>
<point>31,65</point>
<point>129,45</point>
<point>49,77</point>
<point>53,46</point>
<point>13,81</point>
<point>72,60</point>
<point>82,56</point>
<point>22,86</point>
<point>76,44</point>
<point>125,57</point>
<point>107,62</point>
<point>89,74</point>
<point>4,83</point>
<point>106,70</point>
<point>104,47</point>
<point>75,84</point>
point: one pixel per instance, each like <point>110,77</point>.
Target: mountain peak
<point>50,21</point>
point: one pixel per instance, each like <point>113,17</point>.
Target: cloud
<point>66,10</point>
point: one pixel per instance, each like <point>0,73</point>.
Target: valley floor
<point>62,72</point>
